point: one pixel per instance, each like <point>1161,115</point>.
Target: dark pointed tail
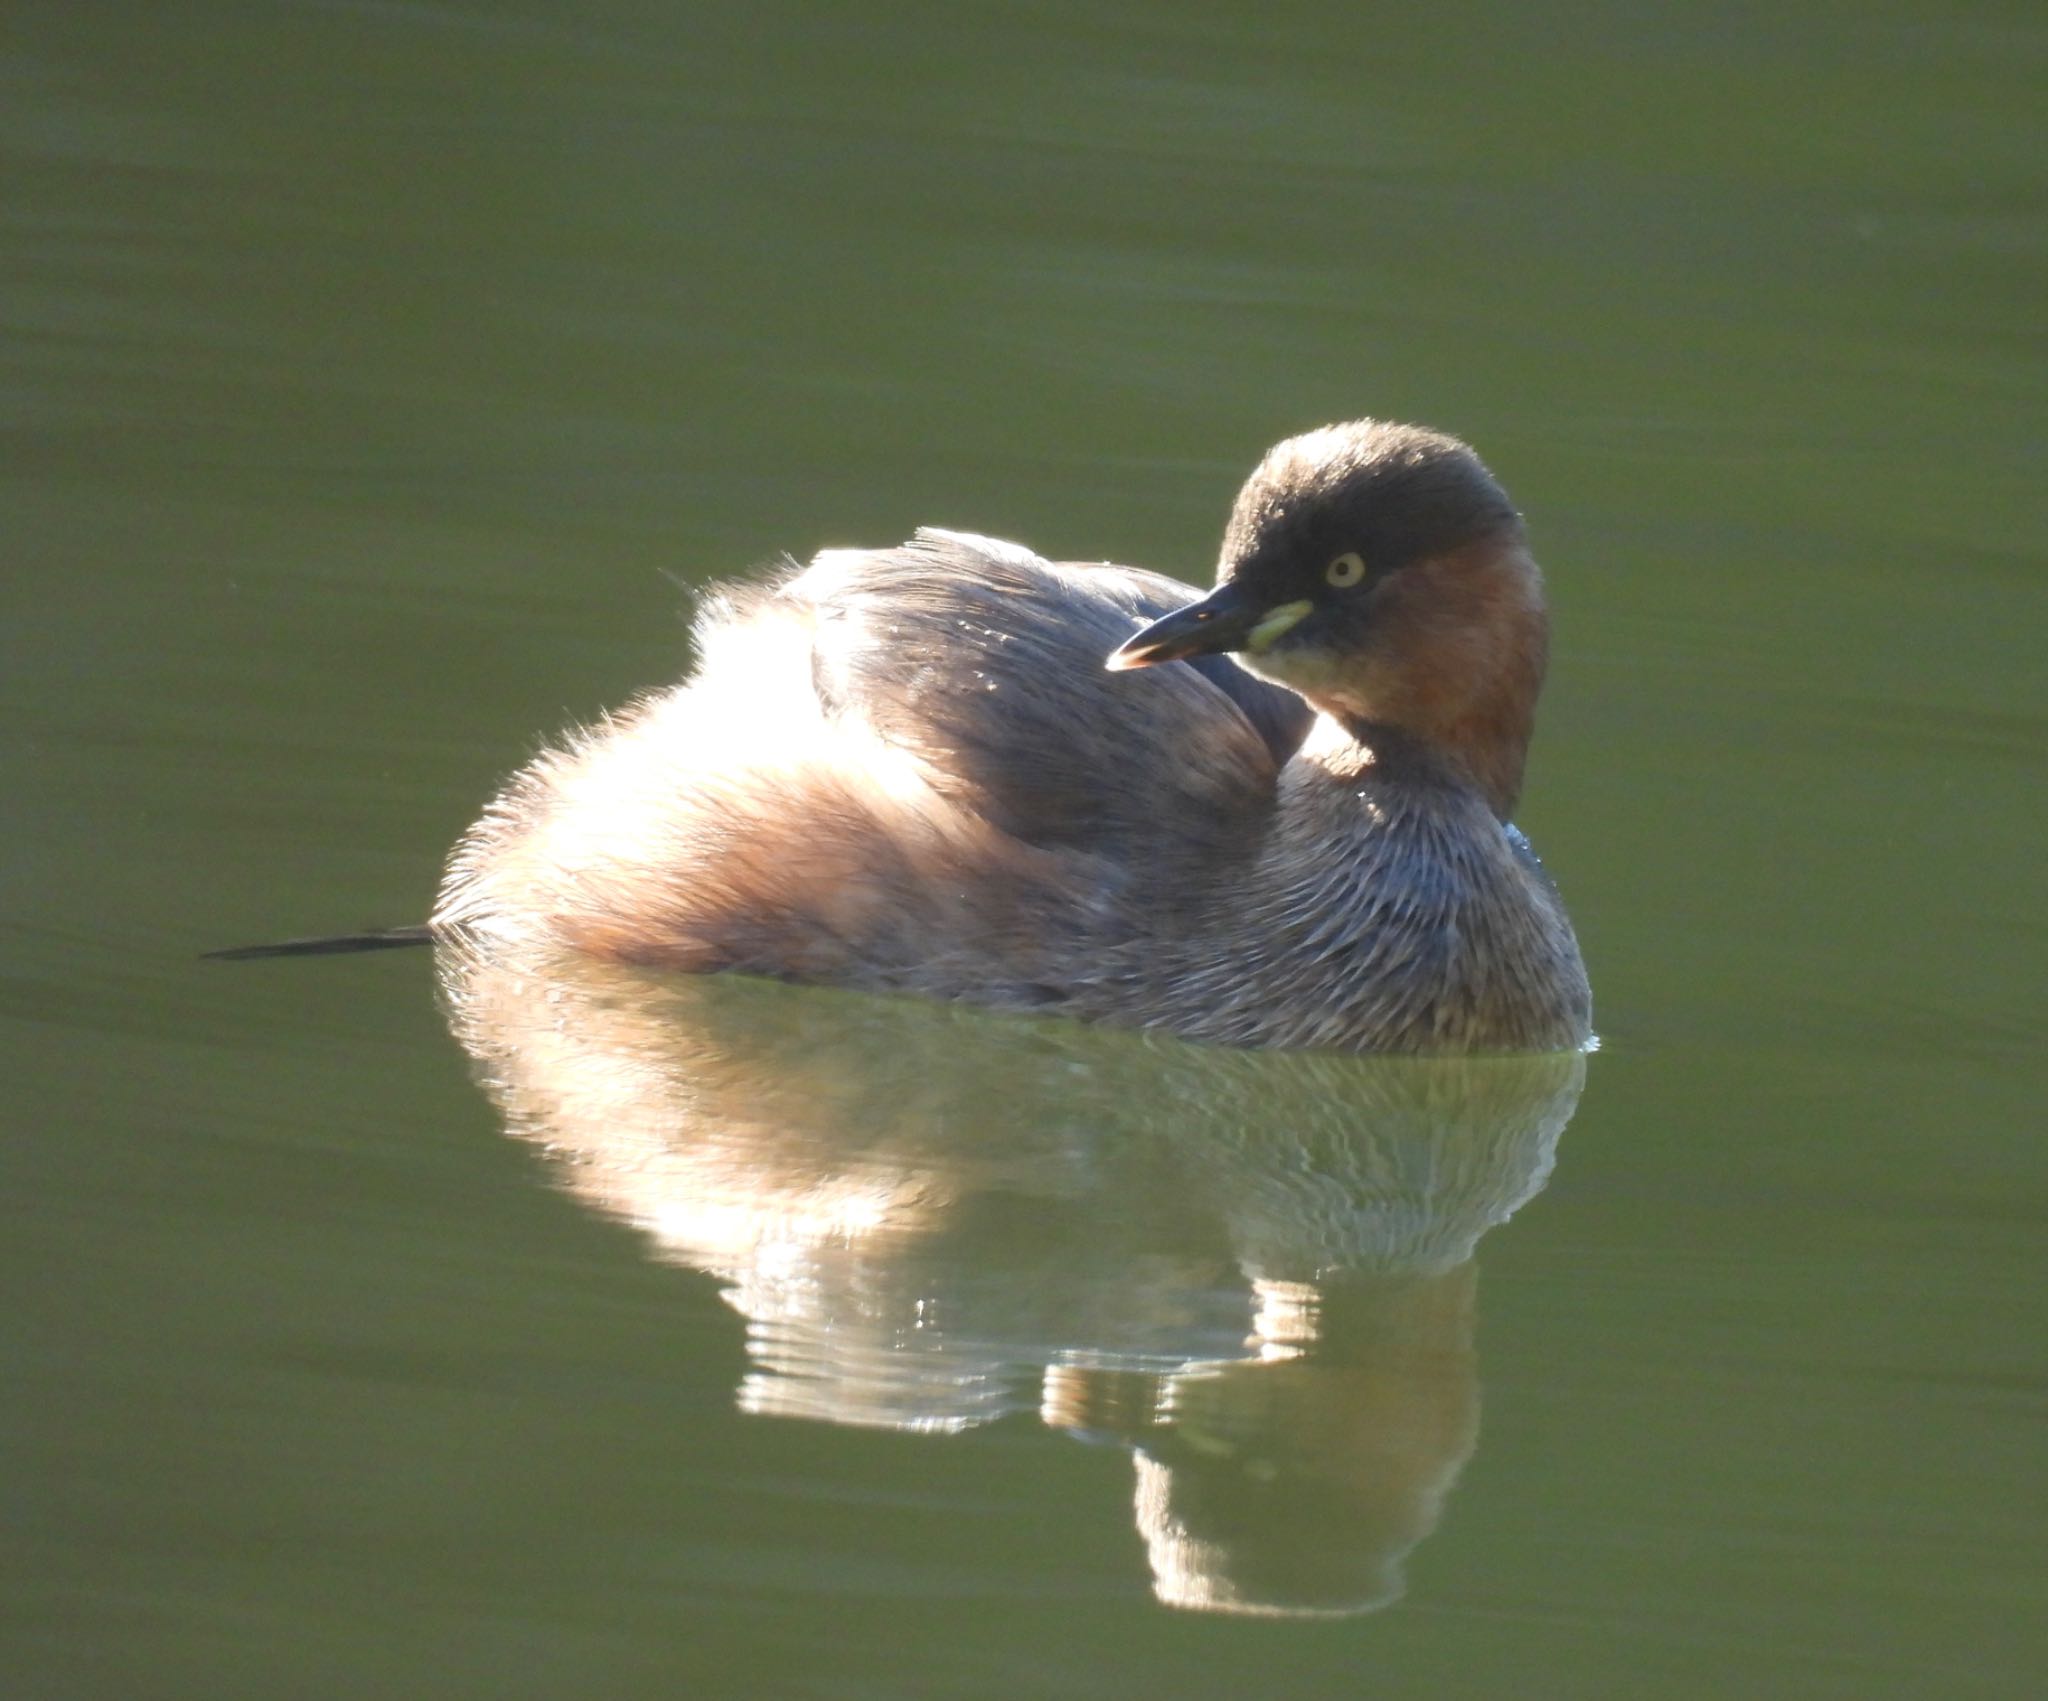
<point>330,945</point>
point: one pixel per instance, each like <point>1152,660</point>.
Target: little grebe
<point>936,769</point>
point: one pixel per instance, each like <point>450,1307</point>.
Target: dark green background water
<point>370,370</point>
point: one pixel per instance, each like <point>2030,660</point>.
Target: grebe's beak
<point>1228,618</point>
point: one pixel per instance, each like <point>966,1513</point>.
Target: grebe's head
<point>1380,571</point>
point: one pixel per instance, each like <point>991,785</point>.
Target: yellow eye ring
<point>1347,570</point>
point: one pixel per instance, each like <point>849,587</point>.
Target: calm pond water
<point>372,374</point>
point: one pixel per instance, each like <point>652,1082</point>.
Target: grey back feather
<point>986,662</point>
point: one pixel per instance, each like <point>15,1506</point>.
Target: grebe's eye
<point>1347,570</point>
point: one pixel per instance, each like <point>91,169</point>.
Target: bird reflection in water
<point>1252,1269</point>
